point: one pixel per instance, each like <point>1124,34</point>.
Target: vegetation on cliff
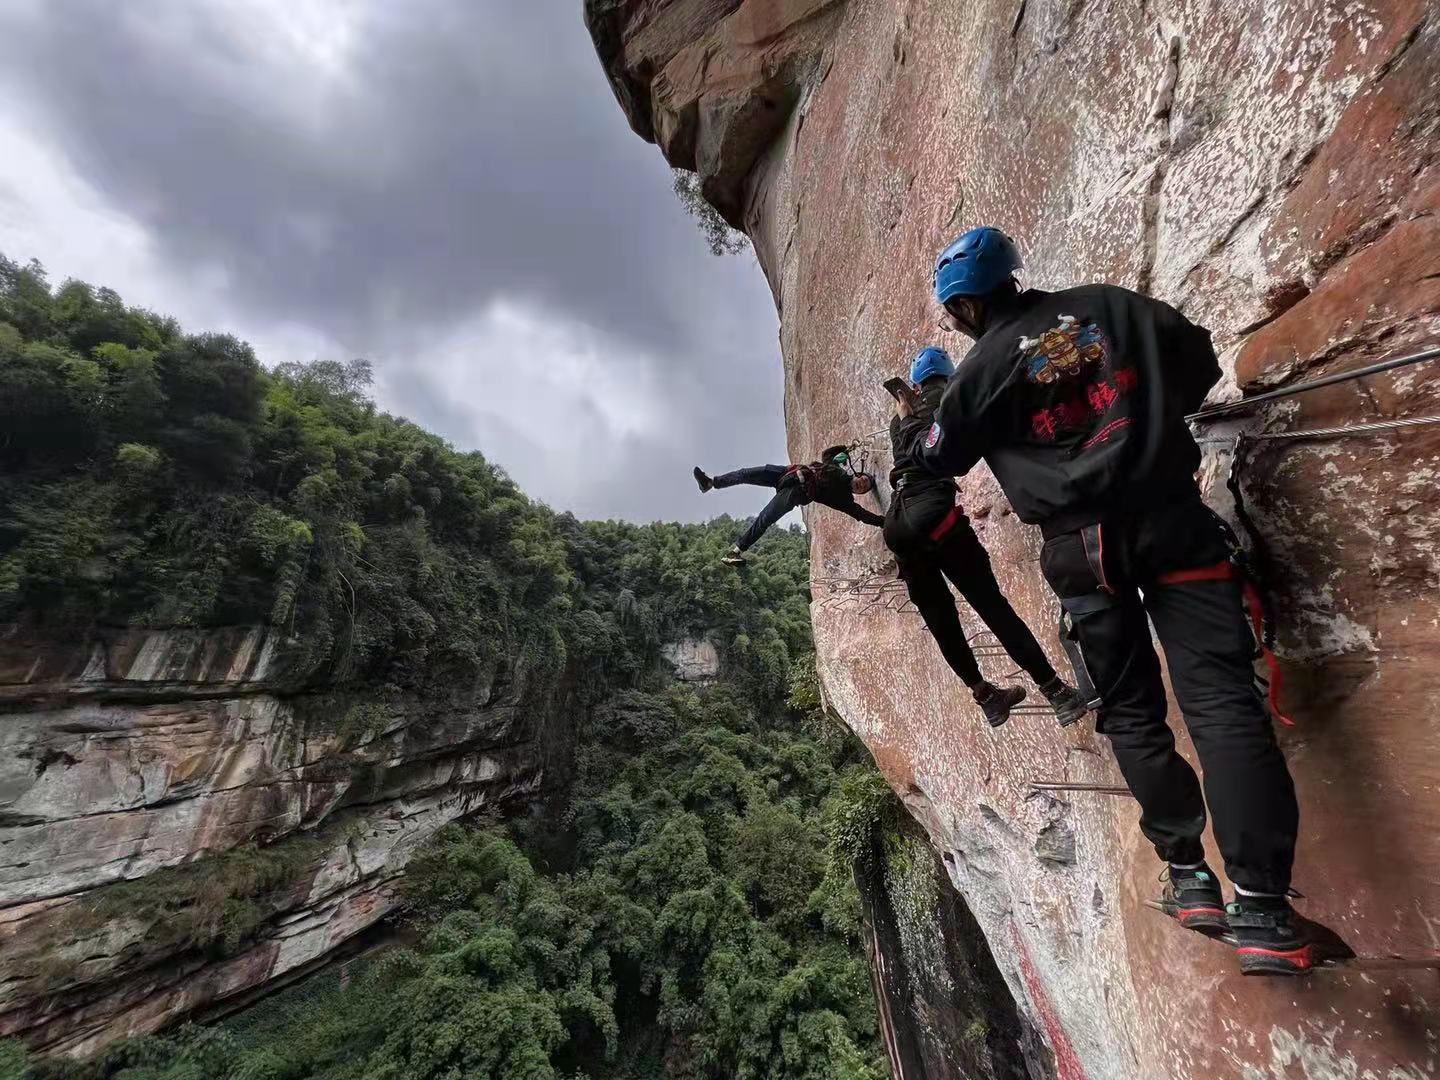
<point>150,476</point>
<point>682,920</point>
<point>720,236</point>
<point>694,933</point>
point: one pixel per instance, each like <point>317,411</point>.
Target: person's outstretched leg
<point>781,504</point>
<point>929,593</point>
<point>759,475</point>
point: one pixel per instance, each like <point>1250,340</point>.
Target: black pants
<point>959,556</point>
<point>786,498</point>
<point>1106,576</point>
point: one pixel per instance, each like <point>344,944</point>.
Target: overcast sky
<point>445,187</point>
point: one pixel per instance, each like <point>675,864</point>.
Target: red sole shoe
<point>1210,921</point>
<point>1255,960</point>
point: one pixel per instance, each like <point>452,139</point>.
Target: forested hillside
<point>150,476</point>
<point>679,911</point>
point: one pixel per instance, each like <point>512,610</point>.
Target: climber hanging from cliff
<point>1076,400</point>
<point>828,481</point>
<point>932,541</point>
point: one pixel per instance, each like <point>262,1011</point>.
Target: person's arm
<point>957,437</point>
<point>860,514</point>
<point>1191,365</point>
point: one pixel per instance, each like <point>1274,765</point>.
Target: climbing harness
<point>1258,610</point>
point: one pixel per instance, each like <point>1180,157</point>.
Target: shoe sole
<point>1202,918</point>
<point>1071,717</point>
<point>1210,921</point>
<point>1256,960</point>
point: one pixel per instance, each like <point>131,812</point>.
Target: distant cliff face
<point>126,757</point>
<point>1272,169</point>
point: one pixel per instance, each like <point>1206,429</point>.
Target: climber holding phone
<point>932,541</point>
<point>829,481</point>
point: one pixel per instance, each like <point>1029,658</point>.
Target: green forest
<point>687,909</point>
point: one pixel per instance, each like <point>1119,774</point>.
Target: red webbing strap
<point>946,523</point>
<point>1221,571</point>
<point>1255,608</point>
<point>1272,665</point>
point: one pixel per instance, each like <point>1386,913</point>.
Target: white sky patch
<point>47,211</point>
<point>249,45</point>
<point>318,34</point>
<point>560,359</point>
<point>360,178</point>
<point>551,400</point>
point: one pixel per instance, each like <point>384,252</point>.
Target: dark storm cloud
<point>385,183</point>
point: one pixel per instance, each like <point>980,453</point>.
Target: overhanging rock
<point>1269,167</point>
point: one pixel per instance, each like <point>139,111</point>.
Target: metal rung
<point>1097,789</point>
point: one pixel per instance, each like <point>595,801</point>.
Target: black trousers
<point>1106,577</point>
<point>959,556</point>
<point>786,498</point>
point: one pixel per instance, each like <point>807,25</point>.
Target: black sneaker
<point>1270,938</point>
<point>996,702</point>
<point>733,557</point>
<point>704,481</point>
<point>1192,897</point>
<point>1069,704</point>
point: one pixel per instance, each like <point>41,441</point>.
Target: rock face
<point>181,821</point>
<point>695,660</point>
<point>945,1010</point>
<point>1270,168</point>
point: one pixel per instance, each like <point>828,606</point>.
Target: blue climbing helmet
<point>930,362</point>
<point>976,264</point>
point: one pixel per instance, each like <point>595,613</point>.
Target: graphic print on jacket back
<point>1073,360</point>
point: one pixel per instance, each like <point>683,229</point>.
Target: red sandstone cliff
<point>1269,167</point>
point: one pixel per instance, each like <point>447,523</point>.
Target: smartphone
<point>899,389</point>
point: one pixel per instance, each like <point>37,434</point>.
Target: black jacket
<point>922,499</point>
<point>1077,401</point>
<point>829,485</point>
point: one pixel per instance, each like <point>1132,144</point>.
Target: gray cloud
<point>443,186</point>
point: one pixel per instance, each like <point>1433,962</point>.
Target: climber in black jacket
<point>827,481</point>
<point>932,541</point>
<point>1077,401</point>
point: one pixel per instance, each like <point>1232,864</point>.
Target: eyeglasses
<point>961,313</point>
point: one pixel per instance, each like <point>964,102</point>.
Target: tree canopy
<point>684,916</point>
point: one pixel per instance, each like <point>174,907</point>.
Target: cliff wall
<point>1271,169</point>
<point>187,816</point>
